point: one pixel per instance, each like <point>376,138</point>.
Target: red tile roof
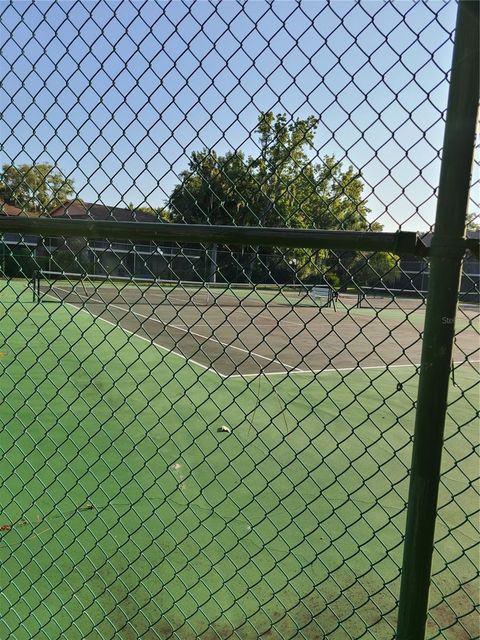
<point>10,210</point>
<point>76,209</point>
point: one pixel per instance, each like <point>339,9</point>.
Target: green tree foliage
<point>34,187</point>
<point>374,269</point>
<point>281,186</point>
<point>473,221</point>
<point>159,212</point>
<point>216,190</point>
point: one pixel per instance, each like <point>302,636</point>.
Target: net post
<point>360,296</point>
<point>448,246</point>
<point>333,297</point>
<point>212,257</point>
<point>34,286</point>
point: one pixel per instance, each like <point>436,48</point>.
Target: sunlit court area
<point>239,321</point>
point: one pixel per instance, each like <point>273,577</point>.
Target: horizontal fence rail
<point>400,242</point>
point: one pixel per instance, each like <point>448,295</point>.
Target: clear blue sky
<point>117,95</point>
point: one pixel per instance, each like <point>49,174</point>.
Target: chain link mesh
<point>213,441</point>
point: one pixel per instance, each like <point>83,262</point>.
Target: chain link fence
<point>204,435</point>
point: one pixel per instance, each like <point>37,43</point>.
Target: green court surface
<point>126,514</point>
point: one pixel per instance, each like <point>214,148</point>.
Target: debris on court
<point>224,429</point>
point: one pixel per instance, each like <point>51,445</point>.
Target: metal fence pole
<point>399,242</point>
<point>446,260</point>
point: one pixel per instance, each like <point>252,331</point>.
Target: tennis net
<point>383,297</point>
<point>82,289</point>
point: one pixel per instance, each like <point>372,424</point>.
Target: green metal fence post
<point>446,258</point>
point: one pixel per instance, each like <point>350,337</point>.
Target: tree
<point>281,186</point>
<point>283,170</point>
<point>215,190</point>
<point>473,221</point>
<point>218,190</point>
<point>34,187</point>
<point>158,212</point>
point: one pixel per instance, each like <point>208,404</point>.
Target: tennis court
<point>235,331</point>
<point>135,515</point>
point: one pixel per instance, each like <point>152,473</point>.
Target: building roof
<point>10,210</point>
<point>427,237</point>
<point>75,209</point>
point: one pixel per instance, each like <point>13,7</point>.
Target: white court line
<point>149,340</point>
<point>340,370</point>
<point>186,331</point>
<point>316,371</point>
